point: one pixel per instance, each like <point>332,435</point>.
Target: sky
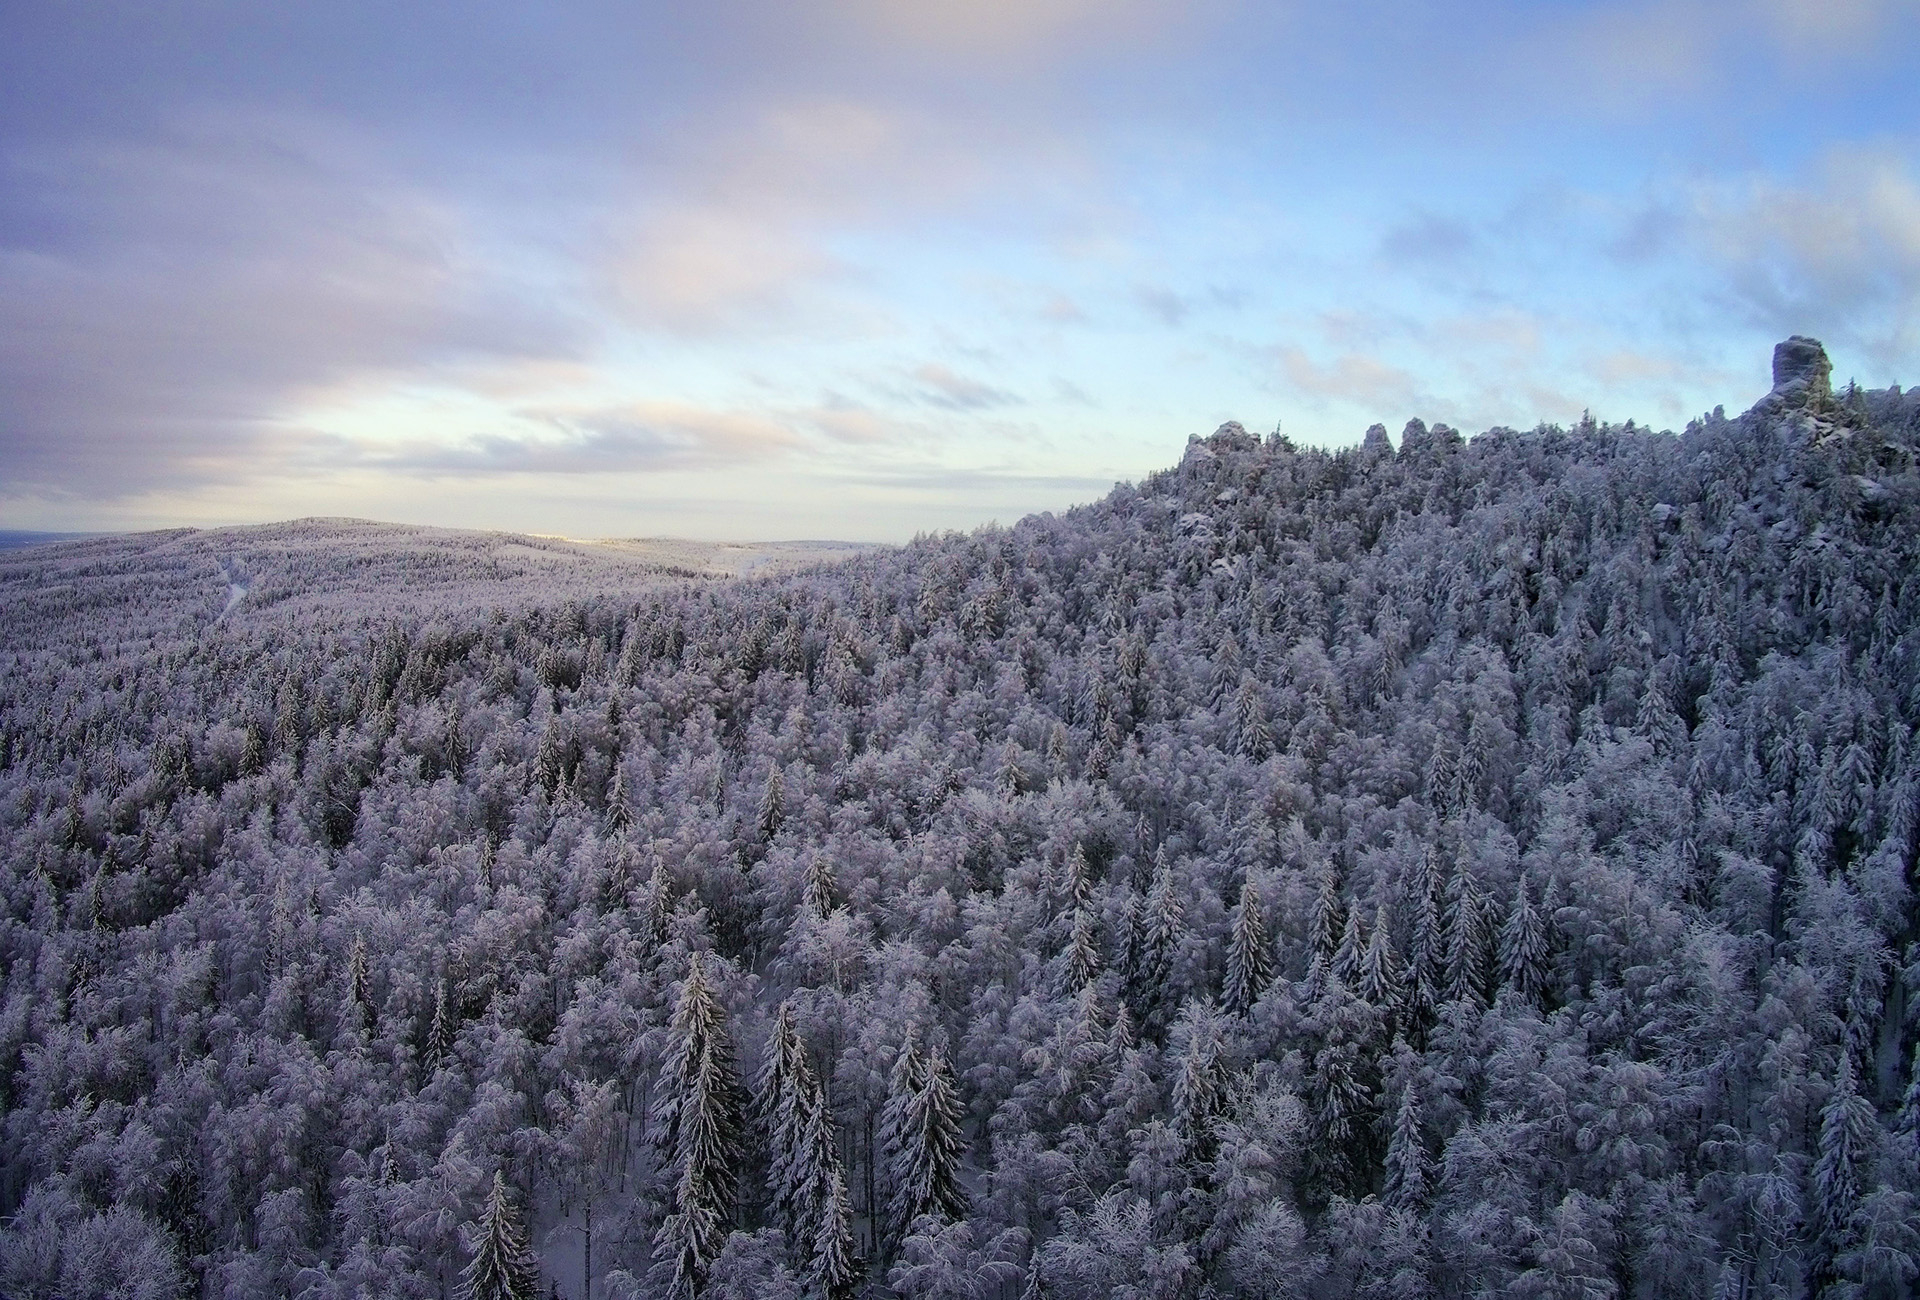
<point>860,269</point>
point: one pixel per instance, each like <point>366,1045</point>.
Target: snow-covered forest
<point>1454,868</point>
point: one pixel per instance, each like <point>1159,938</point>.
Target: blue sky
<point>863,269</point>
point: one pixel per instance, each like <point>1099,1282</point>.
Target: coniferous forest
<point>1453,867</point>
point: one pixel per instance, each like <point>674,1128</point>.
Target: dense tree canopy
<point>1473,868</point>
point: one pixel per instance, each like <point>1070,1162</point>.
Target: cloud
<point>163,303</point>
<point>1351,377</point>
<point>1166,306</point>
<point>849,422</point>
<point>1626,53</point>
<point>1428,238</point>
<point>638,436</point>
<point>1839,253</point>
<point>939,386</point>
<point>706,268</point>
<point>1003,31</point>
<point>738,222</point>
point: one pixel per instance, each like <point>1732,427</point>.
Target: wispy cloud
<point>1838,252</point>
<point>162,303</point>
<point>1350,377</point>
<point>638,436</point>
<point>939,386</point>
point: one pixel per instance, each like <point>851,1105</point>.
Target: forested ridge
<point>1461,868</point>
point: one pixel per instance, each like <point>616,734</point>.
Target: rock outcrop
<point>1801,370</point>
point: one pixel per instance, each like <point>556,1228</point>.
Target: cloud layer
<point>841,250</point>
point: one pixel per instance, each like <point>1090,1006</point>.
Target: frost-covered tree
<point>1846,1149</point>
<point>1249,960</point>
<point>787,1095</point>
<point>1406,1183</point>
<point>502,1267</point>
<point>1524,958</point>
<point>697,1126</point>
<point>1379,980</point>
<point>1470,941</point>
<point>925,1143</point>
<point>1083,954</point>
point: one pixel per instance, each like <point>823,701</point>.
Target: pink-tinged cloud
<point>1351,377</point>
<point>637,436</point>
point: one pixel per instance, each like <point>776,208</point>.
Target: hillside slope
<point>1460,868</point>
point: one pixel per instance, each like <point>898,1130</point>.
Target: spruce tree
<point>502,1267</point>
<point>359,991</point>
<point>1328,917</point>
<point>1523,948</point>
<point>1249,963</point>
<point>619,800</point>
<point>1083,956</point>
<point>925,1165</point>
<point>1165,927</point>
<point>1353,945</point>
<point>903,1085</point>
<point>1079,878</point>
<point>1406,1180</point>
<point>1427,962</point>
<point>440,1031</point>
<point>697,1126</point>
<point>829,1261</point>
<point>1199,1090</point>
<point>1470,947</point>
<point>1379,980</point>
<point>1847,1132</point>
<point>772,806</point>
<point>818,896</point>
<point>788,1095</point>
<point>1907,1122</point>
<point>1253,736</point>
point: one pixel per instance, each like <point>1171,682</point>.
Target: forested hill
<point>1460,868</point>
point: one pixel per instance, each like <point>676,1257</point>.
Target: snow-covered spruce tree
<point>697,1126</point>
<point>787,1097</point>
<point>1524,957</point>
<point>359,987</point>
<point>1249,961</point>
<point>1082,964</point>
<point>773,806</point>
<point>828,1260</point>
<point>1351,951</point>
<point>924,1158</point>
<point>1470,941</point>
<point>1379,981</point>
<point>1199,1089</point>
<point>1077,888</point>
<point>1406,1175</point>
<point>440,1029</point>
<point>818,892</point>
<point>1252,735</point>
<point>1329,917</point>
<point>1848,1133</point>
<point>1427,960</point>
<point>904,1081</point>
<point>1164,926</point>
<point>502,1267</point>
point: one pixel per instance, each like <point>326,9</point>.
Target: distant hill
<point>187,577</point>
<point>14,538</point>
<point>1453,867</point>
